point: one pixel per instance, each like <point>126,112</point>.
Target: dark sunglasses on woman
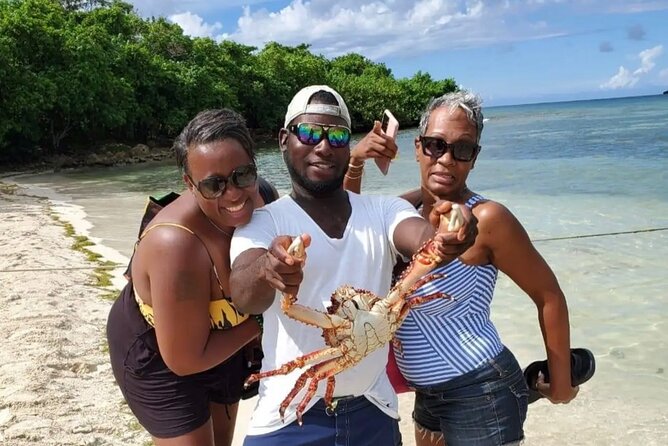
<point>214,186</point>
<point>310,133</point>
<point>436,148</point>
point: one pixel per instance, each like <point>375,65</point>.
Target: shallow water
<point>565,170</point>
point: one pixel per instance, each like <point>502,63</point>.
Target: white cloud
<point>193,25</point>
<point>625,78</point>
<point>378,28</point>
<point>647,59</point>
<point>632,7</point>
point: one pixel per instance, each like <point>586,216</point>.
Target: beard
<point>316,188</point>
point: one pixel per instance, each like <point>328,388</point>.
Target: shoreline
<point>56,380</point>
<point>75,217</point>
<point>111,154</point>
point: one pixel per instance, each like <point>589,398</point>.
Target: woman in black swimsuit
<point>175,338</point>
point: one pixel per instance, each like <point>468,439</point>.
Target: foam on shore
<point>75,215</point>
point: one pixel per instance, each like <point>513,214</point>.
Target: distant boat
<point>665,92</point>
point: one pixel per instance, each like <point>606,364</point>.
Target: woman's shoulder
<point>176,227</point>
<point>492,213</point>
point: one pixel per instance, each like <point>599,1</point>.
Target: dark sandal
<point>583,366</point>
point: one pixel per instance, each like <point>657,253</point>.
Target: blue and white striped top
<point>445,338</point>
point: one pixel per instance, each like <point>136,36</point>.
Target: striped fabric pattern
<point>445,338</point>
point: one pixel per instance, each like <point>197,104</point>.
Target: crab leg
<point>318,372</point>
<point>420,300</point>
<point>312,373</point>
<point>426,259</point>
<point>329,391</point>
<point>324,354</point>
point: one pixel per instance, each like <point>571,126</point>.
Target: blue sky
<point>509,51</point>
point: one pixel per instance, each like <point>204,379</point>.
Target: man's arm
<point>257,273</point>
<point>250,293</point>
<point>375,144</point>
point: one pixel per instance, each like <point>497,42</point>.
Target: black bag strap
<point>267,190</point>
<point>153,206</point>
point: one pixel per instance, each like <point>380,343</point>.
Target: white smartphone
<point>390,126</point>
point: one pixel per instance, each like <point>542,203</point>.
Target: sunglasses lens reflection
<point>312,134</point>
<point>338,136</point>
<point>214,187</point>
<point>210,187</point>
<point>244,176</point>
<point>436,148</point>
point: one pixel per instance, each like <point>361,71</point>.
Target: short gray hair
<point>470,102</point>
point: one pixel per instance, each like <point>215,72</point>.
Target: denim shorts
<point>486,406</point>
<point>354,422</point>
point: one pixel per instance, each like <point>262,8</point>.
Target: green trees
<point>76,73</point>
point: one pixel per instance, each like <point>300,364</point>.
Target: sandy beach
<point>56,385</point>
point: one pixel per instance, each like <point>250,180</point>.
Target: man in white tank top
<point>355,240</point>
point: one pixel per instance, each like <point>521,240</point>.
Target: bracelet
<point>356,177</point>
<point>260,321</point>
<point>357,167</point>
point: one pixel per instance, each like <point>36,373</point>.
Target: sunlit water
<point>565,170</point>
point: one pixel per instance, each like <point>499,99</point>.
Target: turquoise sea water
<point>566,170</point>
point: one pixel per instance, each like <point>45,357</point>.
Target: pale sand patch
<point>56,385</point>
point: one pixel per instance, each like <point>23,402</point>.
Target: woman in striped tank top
<point>470,389</point>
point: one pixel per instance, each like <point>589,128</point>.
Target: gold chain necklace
<point>217,227</point>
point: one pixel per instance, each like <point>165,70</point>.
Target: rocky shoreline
<point>108,155</point>
<point>111,154</point>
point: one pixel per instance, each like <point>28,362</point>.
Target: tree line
<point>75,74</point>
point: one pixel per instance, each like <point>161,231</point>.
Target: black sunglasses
<point>214,187</point>
<point>310,133</point>
<point>436,148</point>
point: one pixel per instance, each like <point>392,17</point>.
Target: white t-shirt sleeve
<point>397,210</point>
<point>258,233</point>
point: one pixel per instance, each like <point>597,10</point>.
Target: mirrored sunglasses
<point>311,134</point>
<point>436,148</point>
<point>214,187</point>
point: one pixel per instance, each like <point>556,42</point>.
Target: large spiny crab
<point>357,322</point>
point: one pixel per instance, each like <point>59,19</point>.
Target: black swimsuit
<point>167,405</point>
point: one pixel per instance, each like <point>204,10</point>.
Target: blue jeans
<point>486,406</point>
<point>354,422</point>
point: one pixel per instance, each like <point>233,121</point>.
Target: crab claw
<point>297,248</point>
<point>453,220</point>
